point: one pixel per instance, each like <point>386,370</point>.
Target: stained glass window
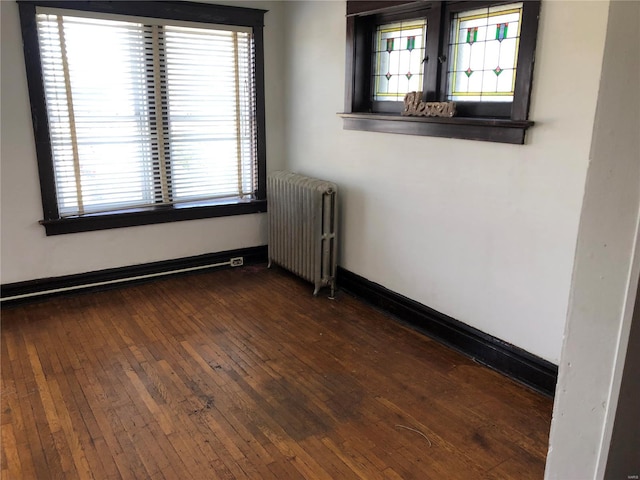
<point>484,54</point>
<point>398,59</point>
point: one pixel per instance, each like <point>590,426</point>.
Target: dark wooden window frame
<point>169,10</point>
<point>489,121</point>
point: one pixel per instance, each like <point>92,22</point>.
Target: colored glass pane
<point>472,34</point>
<point>398,55</point>
<point>501,31</point>
<point>485,41</point>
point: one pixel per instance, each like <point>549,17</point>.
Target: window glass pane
<point>142,115</point>
<point>483,53</point>
<point>95,85</point>
<point>209,86</point>
<point>398,59</point>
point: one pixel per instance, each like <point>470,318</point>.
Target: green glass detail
<point>411,43</point>
<point>501,31</point>
<point>388,75</point>
<point>497,70</point>
<point>472,35</point>
<point>409,75</point>
<point>468,72</point>
<point>390,45</point>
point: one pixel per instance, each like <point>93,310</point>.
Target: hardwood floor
<point>241,373</point>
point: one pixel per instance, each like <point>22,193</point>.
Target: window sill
<point>484,129</point>
<point>151,215</point>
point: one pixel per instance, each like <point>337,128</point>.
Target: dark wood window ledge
<point>152,215</point>
<point>485,129</point>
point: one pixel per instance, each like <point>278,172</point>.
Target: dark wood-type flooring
<point>242,373</point>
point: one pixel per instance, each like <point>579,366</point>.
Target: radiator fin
<point>303,227</point>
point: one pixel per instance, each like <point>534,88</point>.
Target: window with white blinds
<point>146,114</point>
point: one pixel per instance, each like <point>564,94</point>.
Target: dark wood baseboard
<point>508,359</point>
<point>33,290</point>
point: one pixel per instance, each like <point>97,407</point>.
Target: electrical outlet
<point>237,261</point>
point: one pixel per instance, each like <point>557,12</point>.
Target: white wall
<point>480,231</point>
<point>607,265</point>
<point>28,254</point>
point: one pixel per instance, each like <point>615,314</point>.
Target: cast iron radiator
<point>302,227</point>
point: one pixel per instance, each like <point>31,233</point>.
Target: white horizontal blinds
<point>95,87</point>
<point>210,97</point>
<point>156,75</point>
<point>246,115</point>
<point>147,114</point>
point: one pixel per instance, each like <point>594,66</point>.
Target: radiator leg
<point>333,291</point>
<point>269,264</point>
<point>317,289</point>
